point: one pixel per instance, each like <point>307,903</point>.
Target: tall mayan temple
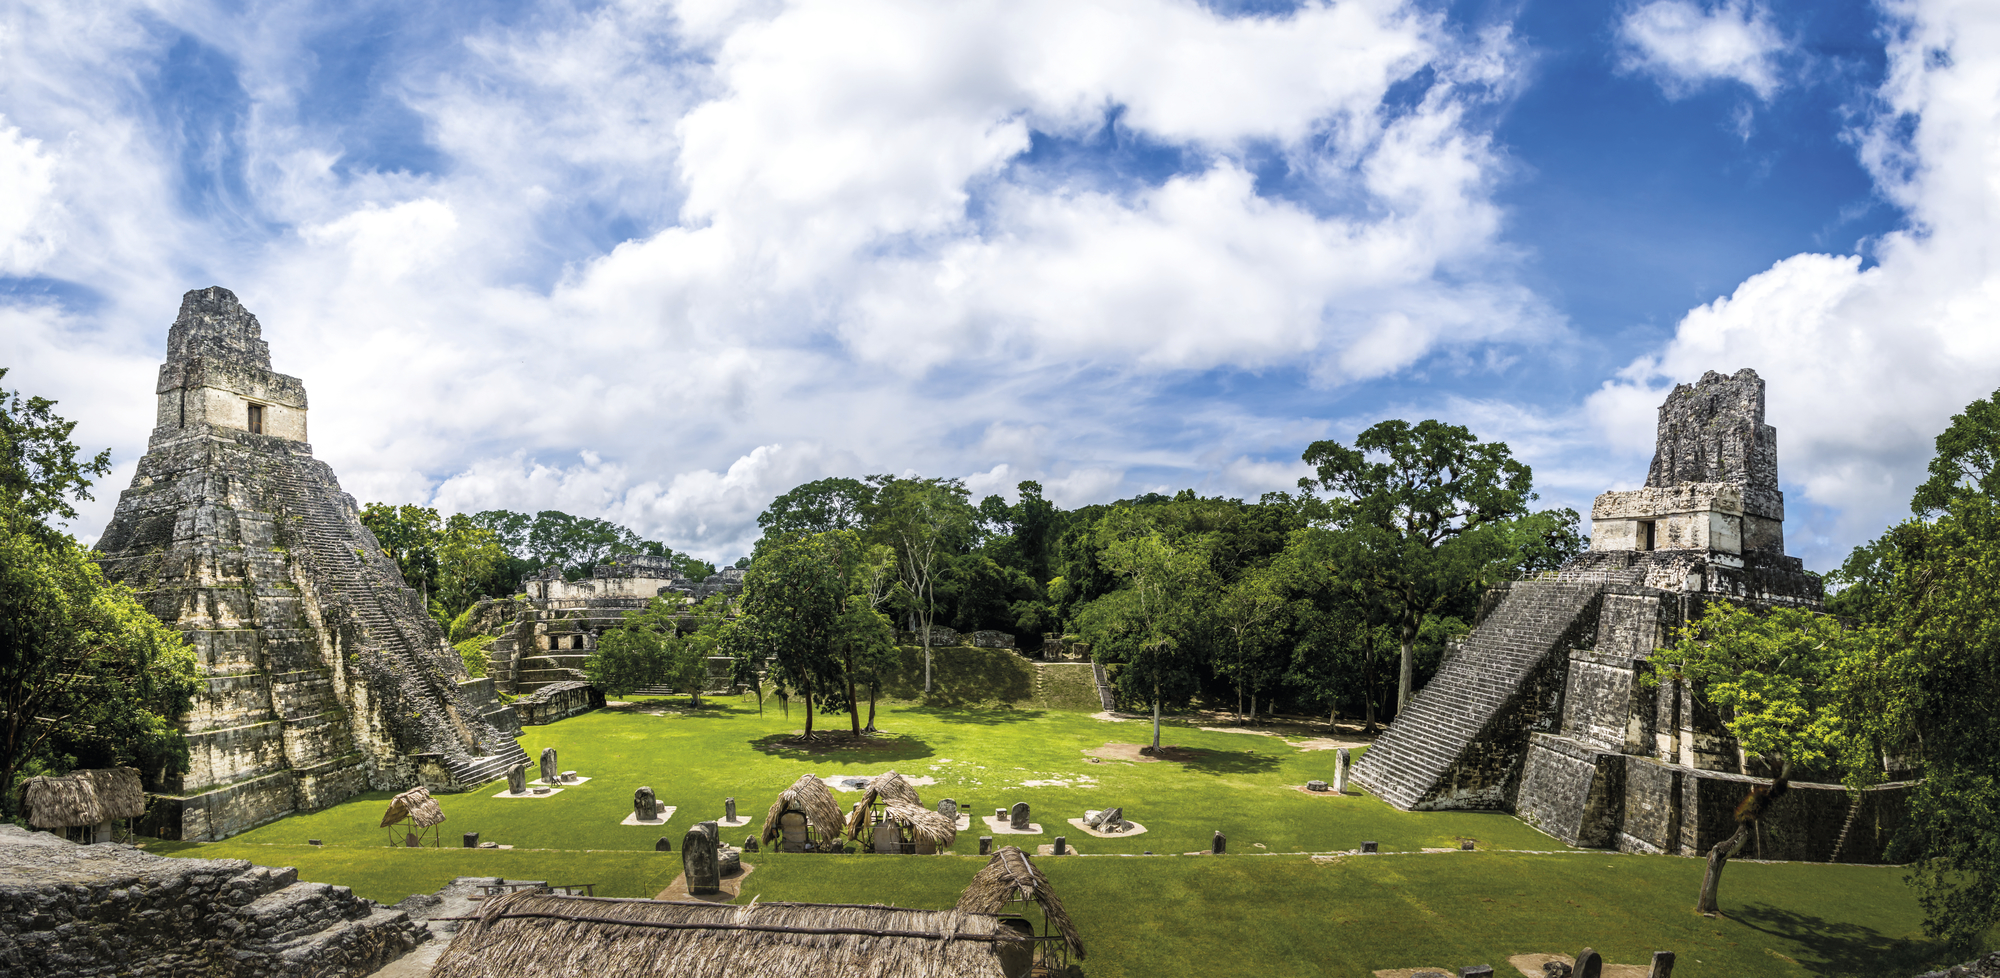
<point>323,675</point>
<point>1542,712</point>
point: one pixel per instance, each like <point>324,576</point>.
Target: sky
<point>660,262</point>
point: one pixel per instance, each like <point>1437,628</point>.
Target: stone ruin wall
<point>322,674</point>
<point>70,911</point>
<point>1584,747</point>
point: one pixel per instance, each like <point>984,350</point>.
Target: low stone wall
<point>70,911</point>
<point>1607,800</point>
<point>558,702</point>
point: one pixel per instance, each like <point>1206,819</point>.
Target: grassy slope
<point>1243,914</point>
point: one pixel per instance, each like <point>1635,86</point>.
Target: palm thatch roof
<point>891,787</point>
<point>417,805</point>
<point>533,935</point>
<point>1009,876</point>
<point>809,795</point>
<point>87,797</point>
<point>922,824</point>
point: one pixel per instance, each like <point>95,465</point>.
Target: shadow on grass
<point>678,707</point>
<point>992,716</point>
<point>1210,761</point>
<point>840,744</point>
<point>1834,948</point>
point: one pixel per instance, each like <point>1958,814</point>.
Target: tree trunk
<point>871,710</point>
<point>694,698</point>
<point>1718,856</point>
<point>854,708</point>
<point>1409,669</point>
<point>1156,718</point>
<point>808,735</point>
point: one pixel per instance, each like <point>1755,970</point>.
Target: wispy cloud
<point>1684,45</point>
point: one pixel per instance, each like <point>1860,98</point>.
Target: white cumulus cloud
<point>1865,364</point>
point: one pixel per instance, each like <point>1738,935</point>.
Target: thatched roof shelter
<point>87,797</point>
<point>809,795</point>
<point>919,824</point>
<point>891,787</point>
<point>533,935</point>
<point>417,805</point>
<point>1009,877</point>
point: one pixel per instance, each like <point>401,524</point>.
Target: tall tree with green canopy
<point>820,506</point>
<point>470,559</point>
<point>925,521</point>
<point>1419,493</point>
<point>649,649</point>
<point>40,474</point>
<point>1786,681</point>
<point>88,677</point>
<point>794,595</point>
<point>1149,623</point>
<point>1967,462</point>
<point>409,535</point>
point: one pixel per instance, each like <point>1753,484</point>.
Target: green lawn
<point>1263,910</point>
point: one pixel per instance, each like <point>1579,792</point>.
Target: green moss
<point>473,651</point>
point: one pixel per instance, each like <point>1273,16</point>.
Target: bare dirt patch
<point>1414,972</point>
<point>1327,743</point>
<point>1130,752</point>
<point>1242,730</point>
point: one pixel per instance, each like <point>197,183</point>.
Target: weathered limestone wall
<point>323,676</point>
<point>558,701</point>
<point>70,911</point>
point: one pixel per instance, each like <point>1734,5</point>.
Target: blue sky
<point>661,261</point>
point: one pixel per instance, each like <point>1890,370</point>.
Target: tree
<point>1147,625</point>
<point>409,536</point>
<point>820,506</point>
<point>641,651</point>
<point>469,559</point>
<point>1967,462</point>
<point>39,471</point>
<point>1249,611</point>
<point>794,594</point>
<point>923,520</point>
<point>87,676</point>
<point>1779,677</point>
<point>1420,493</point>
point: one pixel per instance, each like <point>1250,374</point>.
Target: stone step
<point>353,947</point>
<point>1416,755</point>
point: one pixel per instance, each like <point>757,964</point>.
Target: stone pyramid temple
<point>1542,711</point>
<point>324,676</point>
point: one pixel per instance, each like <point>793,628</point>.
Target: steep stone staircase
<point>334,559</point>
<point>1413,764</point>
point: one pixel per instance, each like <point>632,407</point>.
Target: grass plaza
<point>1290,897</point>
